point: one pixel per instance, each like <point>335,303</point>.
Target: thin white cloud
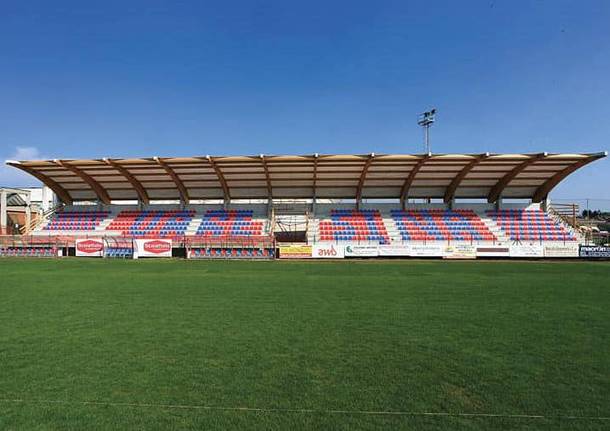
<point>13,177</point>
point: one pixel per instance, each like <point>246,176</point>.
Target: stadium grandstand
<point>427,205</point>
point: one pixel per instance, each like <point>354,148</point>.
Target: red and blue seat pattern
<point>441,225</point>
<point>119,252</point>
<point>354,225</point>
<point>530,225</point>
<point>76,220</point>
<point>230,223</point>
<point>152,223</point>
<point>227,253</point>
<point>28,251</point>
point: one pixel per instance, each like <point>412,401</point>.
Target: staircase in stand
<point>493,227</point>
<point>567,215</point>
<point>39,221</point>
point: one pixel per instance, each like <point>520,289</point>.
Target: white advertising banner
<point>461,251</point>
<point>493,251</point>
<point>561,250</point>
<point>394,250</point>
<point>328,251</point>
<point>154,247</point>
<point>427,250</point>
<point>361,251</point>
<point>89,247</point>
<point>526,250</point>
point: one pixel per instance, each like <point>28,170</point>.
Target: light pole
<point>425,121</point>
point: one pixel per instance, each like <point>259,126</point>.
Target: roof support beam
<point>267,178</point>
<point>496,191</point>
<point>543,190</point>
<point>99,191</point>
<point>142,195</point>
<point>365,169</point>
<point>455,183</point>
<point>61,193</point>
<point>184,196</point>
<point>221,178</point>
<point>404,191</point>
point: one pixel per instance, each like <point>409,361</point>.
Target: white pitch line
<point>318,411</point>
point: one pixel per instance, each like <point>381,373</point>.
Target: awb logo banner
<point>154,247</point>
<point>328,251</point>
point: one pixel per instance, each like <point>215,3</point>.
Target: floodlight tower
<point>426,120</point>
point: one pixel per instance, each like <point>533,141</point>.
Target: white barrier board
<point>526,250</point>
<point>561,250</point>
<point>394,250</point>
<point>361,251</point>
<point>461,251</point>
<point>89,247</point>
<point>427,250</point>
<point>327,251</point>
<point>153,248</point>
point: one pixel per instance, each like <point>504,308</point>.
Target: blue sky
<point>141,78</point>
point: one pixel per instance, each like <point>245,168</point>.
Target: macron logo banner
<point>154,247</point>
<point>89,247</point>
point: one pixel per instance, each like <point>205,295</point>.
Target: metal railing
<point>568,213</point>
<point>35,222</point>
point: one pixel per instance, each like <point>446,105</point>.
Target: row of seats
<point>28,251</point>
<point>232,252</point>
<point>354,225</point>
<point>152,223</point>
<point>441,225</point>
<point>76,220</point>
<point>229,223</point>
<point>530,225</point>
<point>119,252</point>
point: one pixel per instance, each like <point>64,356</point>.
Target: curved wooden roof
<point>384,176</point>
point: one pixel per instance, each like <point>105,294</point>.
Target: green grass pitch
<point>173,344</point>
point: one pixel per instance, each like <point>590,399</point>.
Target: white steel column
<point>3,217</point>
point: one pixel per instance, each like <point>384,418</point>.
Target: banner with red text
<point>154,247</point>
<point>89,247</point>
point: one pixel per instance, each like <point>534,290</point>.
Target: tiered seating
<point>441,225</point>
<point>530,225</point>
<point>76,220</point>
<point>354,225</point>
<point>152,223</point>
<point>230,223</point>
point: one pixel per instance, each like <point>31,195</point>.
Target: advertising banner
<point>394,250</point>
<point>526,250</point>
<point>328,251</point>
<point>154,247</point>
<point>561,250</point>
<point>461,251</point>
<point>427,250</point>
<point>594,252</point>
<point>361,251</point>
<point>295,251</point>
<point>493,251</point>
<point>89,247</point>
